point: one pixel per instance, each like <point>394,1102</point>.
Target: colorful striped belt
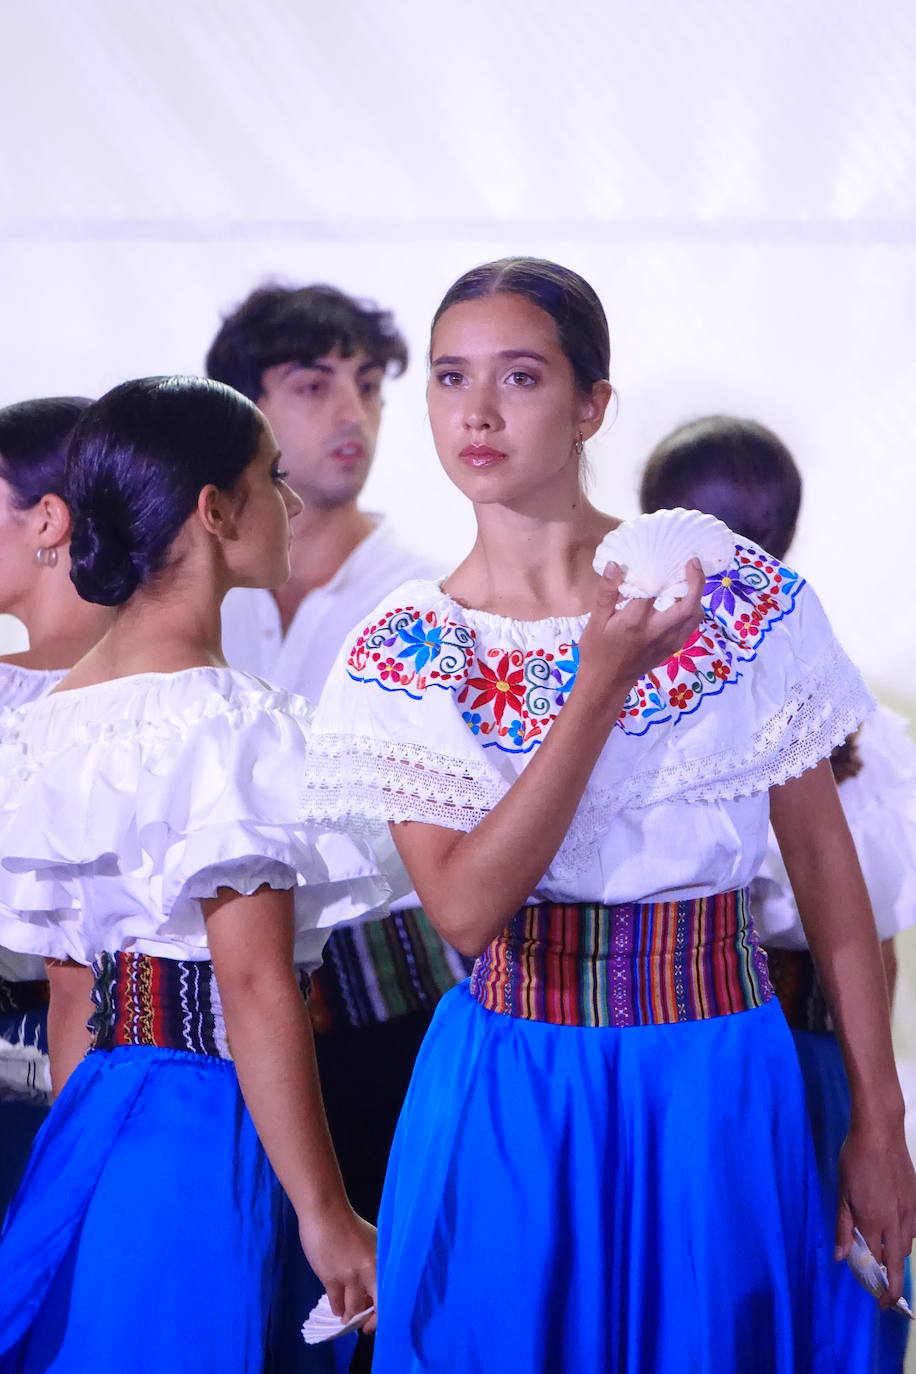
<point>798,988</point>
<point>641,964</point>
<point>380,970</point>
<point>168,1003</point>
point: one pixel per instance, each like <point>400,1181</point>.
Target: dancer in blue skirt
<point>743,473</point>
<point>150,826</point>
<point>602,1162</point>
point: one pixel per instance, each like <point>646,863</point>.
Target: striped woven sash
<point>642,964</point>
<point>169,1003</point>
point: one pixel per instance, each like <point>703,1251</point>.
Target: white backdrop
<point>736,177</point>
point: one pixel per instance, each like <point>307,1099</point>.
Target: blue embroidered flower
<point>723,588</point>
<point>472,719</point>
<point>423,642</point>
<point>517,732</point>
<point>569,667</point>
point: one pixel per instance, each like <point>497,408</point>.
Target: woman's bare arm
<point>69,1010</point>
<point>270,1035</point>
<point>878,1184</point>
<point>503,858</point>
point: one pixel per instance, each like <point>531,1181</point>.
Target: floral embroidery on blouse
<point>509,697</point>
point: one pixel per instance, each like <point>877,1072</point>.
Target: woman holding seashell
<point>602,1162</point>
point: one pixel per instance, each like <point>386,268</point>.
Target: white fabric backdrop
<point>737,179</point>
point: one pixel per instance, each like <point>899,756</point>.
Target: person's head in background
<point>35,529</point>
<point>314,360</point>
<point>737,470</point>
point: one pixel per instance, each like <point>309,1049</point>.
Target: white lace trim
<point>353,777</point>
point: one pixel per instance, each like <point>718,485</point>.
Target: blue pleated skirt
<point>566,1200</point>
<point>869,1340</point>
<point>145,1235</point>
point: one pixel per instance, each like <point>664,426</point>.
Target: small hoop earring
<point>46,557</point>
<point>579,445</point>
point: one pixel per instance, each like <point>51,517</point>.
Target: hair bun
<point>102,568</point>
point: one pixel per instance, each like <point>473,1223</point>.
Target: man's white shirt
<point>300,660</point>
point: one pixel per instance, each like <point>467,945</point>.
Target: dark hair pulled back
<point>735,469</point>
<point>138,461</point>
<point>566,297</point>
<point>33,446</point>
<point>299,324</point>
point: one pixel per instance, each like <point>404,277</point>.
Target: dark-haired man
<point>315,361</point>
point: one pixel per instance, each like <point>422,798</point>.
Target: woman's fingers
<point>337,1298</point>
<point>844,1230</point>
<point>357,1299</point>
<point>608,592</point>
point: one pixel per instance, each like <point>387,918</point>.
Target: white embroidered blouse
<point>123,804</point>
<point>432,711</point>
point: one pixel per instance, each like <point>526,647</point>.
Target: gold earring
<point>579,444</point>
<point>46,557</point>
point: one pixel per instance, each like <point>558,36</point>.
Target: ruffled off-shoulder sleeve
<point>113,827</point>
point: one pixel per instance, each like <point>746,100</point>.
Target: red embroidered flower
<point>766,604</point>
<point>685,658</point>
<point>680,695</point>
<point>390,668</point>
<point>747,626</point>
<point>502,687</point>
<point>721,669</point>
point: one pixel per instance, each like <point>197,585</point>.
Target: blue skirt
<point>145,1235</point>
<point>565,1200</point>
<point>871,1341</point>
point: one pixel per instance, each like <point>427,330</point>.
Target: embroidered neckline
<point>509,696</point>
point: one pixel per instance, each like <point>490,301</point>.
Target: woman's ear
<point>51,517</point>
<point>217,512</point>
<point>594,407</point>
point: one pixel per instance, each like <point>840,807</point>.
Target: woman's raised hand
<point>618,647</point>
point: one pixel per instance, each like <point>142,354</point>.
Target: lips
<point>352,451</point>
<point>481,455</point>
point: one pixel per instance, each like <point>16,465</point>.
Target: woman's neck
<point>530,567</point>
<point>60,625</point>
<point>163,628</point>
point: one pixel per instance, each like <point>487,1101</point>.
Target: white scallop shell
<point>323,1325</point>
<point>870,1273</point>
<point>653,551</point>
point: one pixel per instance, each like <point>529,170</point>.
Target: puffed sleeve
<point>111,836</point>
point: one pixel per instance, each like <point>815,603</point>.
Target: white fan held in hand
<point>871,1274</point>
<point>323,1325</point>
<point>652,551</point>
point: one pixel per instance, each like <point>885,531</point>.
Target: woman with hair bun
<point>36,588</point>
<point>602,1163</point>
<point>150,826</point>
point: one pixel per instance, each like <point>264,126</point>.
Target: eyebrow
<point>507,354</point>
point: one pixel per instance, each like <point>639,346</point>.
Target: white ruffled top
<point>432,711</point>
<point>21,685</point>
<point>17,687</point>
<point>880,806</point>
<point>123,804</point>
